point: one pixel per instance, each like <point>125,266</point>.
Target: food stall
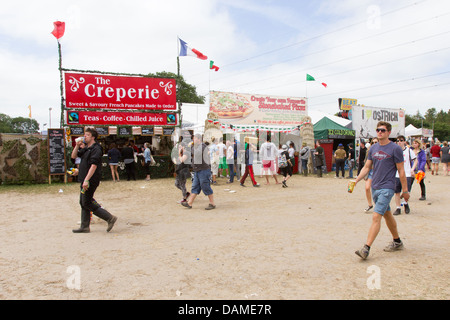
<point>123,108</point>
<point>284,119</point>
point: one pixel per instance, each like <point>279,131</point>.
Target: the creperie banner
<point>86,117</point>
<point>118,100</point>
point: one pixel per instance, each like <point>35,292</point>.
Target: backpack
<point>282,162</point>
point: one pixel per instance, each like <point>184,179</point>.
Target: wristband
<point>405,191</point>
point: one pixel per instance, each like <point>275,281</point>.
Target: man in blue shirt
<point>385,158</point>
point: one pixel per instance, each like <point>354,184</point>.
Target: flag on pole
<point>212,66</point>
<point>59,29</point>
<point>311,78</point>
<point>29,108</point>
<point>185,50</point>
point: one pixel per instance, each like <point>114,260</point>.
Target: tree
<point>438,121</point>
<point>5,123</point>
<point>18,124</point>
<point>185,92</point>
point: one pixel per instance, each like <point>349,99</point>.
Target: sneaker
<point>363,253</point>
<point>406,208</point>
<point>242,185</point>
<point>186,204</point>
<point>368,208</point>
<point>397,212</point>
<point>111,223</point>
<point>210,207</point>
<point>256,185</point>
<point>423,198</point>
<point>394,246</point>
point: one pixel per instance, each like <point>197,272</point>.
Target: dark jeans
<point>180,183</point>
<point>305,167</point>
<point>231,171</point>
<point>319,171</point>
<point>360,166</point>
<point>340,165</point>
<point>88,205</point>
<point>422,188</point>
<point>130,168</point>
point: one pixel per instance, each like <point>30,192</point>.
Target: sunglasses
<point>381,130</point>
<point>400,140</point>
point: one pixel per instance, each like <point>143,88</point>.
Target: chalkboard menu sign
<point>147,131</point>
<point>168,131</point>
<point>124,131</point>
<point>102,131</point>
<point>76,131</point>
<point>56,152</point>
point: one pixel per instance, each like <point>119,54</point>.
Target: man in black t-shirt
<point>362,156</point>
<point>90,173</point>
<point>351,160</point>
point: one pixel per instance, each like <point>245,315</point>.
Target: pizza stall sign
<point>238,108</point>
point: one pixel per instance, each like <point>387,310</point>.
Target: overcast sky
<point>392,54</point>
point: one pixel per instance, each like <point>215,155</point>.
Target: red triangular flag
<point>59,29</point>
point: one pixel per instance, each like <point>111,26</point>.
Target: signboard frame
<point>51,136</point>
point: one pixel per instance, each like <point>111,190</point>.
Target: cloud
<point>263,47</point>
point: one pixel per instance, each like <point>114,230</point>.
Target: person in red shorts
<point>268,153</point>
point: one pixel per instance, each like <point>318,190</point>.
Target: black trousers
<point>130,169</point>
<point>340,165</point>
<point>88,205</point>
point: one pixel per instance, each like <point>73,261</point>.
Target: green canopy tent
<point>331,135</point>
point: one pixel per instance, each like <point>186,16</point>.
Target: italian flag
<point>311,78</point>
<point>212,66</point>
<point>185,50</point>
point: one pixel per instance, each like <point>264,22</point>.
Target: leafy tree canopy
<point>17,124</point>
<point>185,92</point>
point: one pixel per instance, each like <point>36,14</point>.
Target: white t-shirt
<point>230,155</point>
<point>291,152</point>
<point>408,157</point>
<point>268,151</point>
<point>222,147</point>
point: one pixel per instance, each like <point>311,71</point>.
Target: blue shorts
<point>382,198</point>
<point>202,182</point>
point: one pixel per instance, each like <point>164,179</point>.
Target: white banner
<point>365,119</point>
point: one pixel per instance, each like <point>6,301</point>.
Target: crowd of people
<point>129,154</point>
<point>205,162</point>
<point>211,161</point>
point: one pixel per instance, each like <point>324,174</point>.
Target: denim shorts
<point>382,198</point>
<point>435,160</point>
<point>202,182</point>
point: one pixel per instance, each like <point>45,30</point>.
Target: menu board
<point>147,131</point>
<point>102,131</point>
<point>168,131</point>
<point>124,131</point>
<point>76,131</point>
<point>56,152</point>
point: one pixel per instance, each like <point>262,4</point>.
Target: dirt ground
<point>259,243</point>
